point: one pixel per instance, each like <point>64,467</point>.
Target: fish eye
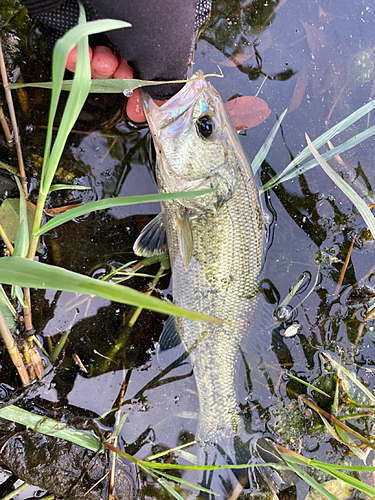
<point>205,126</point>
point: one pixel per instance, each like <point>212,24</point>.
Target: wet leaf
<point>247,112</point>
<point>299,90</point>
<point>340,489</point>
<point>315,38</point>
<point>10,216</point>
<point>325,17</point>
<point>52,212</point>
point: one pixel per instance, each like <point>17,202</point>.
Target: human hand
<point>105,65</point>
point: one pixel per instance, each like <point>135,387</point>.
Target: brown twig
<point>8,96</point>
<point>13,350</point>
<point>344,267</point>
<point>335,421</point>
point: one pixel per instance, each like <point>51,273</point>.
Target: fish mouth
<point>159,117</point>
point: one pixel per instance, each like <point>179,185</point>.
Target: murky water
<point>317,58</point>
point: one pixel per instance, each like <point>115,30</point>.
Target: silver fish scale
<point>221,280</point>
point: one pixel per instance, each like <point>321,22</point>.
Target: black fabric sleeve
<point>159,44</point>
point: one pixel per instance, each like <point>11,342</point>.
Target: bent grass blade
<point>320,141</point>
<point>351,377</point>
<point>307,384</point>
<point>115,202</point>
<point>349,144</point>
<point>32,274</point>
<point>112,86</point>
<point>345,188</point>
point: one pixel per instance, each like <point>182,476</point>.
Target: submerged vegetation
<point>336,406</point>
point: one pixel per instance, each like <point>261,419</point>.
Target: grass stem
<point>13,350</point>
<point>6,240</point>
<point>15,492</point>
<point>8,96</point>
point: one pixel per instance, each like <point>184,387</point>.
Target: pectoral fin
<point>185,238</point>
<point>169,336</point>
<point>153,238</point>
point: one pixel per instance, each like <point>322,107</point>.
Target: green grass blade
<point>113,86</point>
<point>292,293</point>
<point>322,139</point>
<point>330,429</point>
<point>345,188</point>
<point>362,455</point>
<point>189,457</point>
<point>169,488</point>
<point>351,377</point>
<point>15,492</point>
<point>156,465</point>
<point>262,153</point>
<point>77,98</point>
<point>115,202</point>
<point>186,483</point>
<point>60,55</point>
<point>7,310</point>
<point>352,481</point>
<point>171,450</point>
<point>51,427</point>
<point>21,244</point>
<point>32,274</point>
<point>311,481</point>
<point>59,187</point>
<point>308,385</point>
<point>350,143</point>
<point>359,468</point>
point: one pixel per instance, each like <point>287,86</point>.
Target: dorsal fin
<point>153,239</point>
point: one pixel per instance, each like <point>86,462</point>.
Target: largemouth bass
<point>215,244</point>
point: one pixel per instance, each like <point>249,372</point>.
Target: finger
<point>104,63</point>
<point>72,59</point>
<point>134,108</point>
<point>124,71</point>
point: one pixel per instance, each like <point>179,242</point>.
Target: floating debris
<point>292,330</point>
